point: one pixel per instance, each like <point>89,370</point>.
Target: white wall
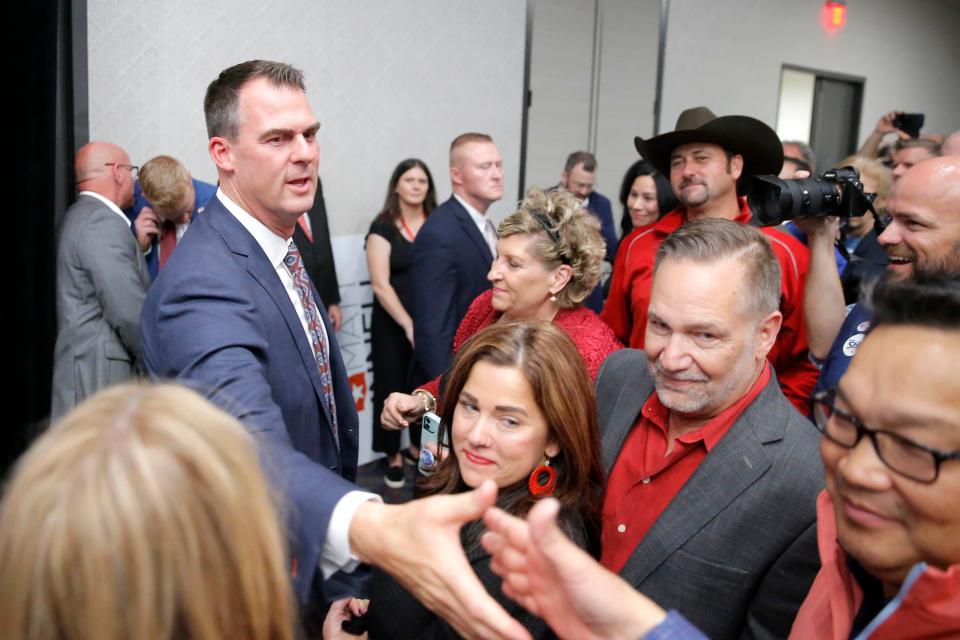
<point>728,55</point>
<point>388,79</point>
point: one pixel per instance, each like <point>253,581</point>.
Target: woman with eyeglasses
<point>548,260</point>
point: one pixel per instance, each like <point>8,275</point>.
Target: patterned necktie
<point>294,264</point>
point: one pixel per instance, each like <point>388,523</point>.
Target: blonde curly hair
<point>565,233</point>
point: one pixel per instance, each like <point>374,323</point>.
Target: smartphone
<point>429,433</point>
<point>909,123</point>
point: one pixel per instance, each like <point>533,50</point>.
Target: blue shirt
<point>852,332</point>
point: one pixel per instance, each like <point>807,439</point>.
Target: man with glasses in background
<point>101,280</point>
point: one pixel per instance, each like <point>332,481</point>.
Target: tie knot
<point>292,259</point>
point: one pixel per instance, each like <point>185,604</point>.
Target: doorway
<point>820,108</point>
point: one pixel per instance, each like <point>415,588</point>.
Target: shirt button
<point>621,527</point>
<point>646,480</point>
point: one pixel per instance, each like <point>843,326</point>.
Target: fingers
<point>358,606</point>
<point>477,614</point>
<point>393,409</point>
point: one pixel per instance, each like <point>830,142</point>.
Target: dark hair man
<point>704,157</point>
<point>235,314</point>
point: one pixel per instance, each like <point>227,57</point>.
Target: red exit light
<point>834,14</point>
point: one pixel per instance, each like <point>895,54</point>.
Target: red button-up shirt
<point>626,307</point>
<point>645,478</point>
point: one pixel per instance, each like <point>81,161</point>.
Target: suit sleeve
<point>435,277</point>
<point>604,212</point>
<point>202,329</point>
<point>783,589</point>
<point>115,268</point>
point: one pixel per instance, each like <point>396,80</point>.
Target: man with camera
<point>922,235</point>
<point>705,157</point>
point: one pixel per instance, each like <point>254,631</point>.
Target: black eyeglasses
<point>904,456</point>
<point>134,169</point>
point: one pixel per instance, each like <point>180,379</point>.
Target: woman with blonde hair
<point>548,261</point>
<point>143,513</point>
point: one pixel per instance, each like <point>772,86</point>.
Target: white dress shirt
<point>484,224</point>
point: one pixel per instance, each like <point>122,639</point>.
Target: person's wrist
<point>367,521</point>
<point>428,400</point>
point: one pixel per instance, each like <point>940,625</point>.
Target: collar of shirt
<point>717,427</point>
<point>273,245</point>
<point>112,205</point>
<point>478,218</point>
<point>673,220</point>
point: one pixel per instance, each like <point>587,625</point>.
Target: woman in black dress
<point>410,199</point>
<point>520,411</point>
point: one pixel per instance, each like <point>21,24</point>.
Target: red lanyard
<point>410,233</point>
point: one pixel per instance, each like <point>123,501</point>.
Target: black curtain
<point>43,99</point>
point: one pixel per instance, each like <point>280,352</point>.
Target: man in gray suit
<point>710,507</point>
<point>101,280</point>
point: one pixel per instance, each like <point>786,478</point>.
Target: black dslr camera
<point>838,192</point>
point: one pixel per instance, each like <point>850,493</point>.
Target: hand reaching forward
<point>556,580</point>
<point>419,544</point>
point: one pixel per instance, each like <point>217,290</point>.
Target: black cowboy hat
<point>756,142</point>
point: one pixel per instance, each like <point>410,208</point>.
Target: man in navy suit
<point>165,201</point>
<point>234,314</point>
<point>579,177</point>
<point>453,252</point>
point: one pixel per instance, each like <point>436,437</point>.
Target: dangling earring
<point>553,297</point>
<point>543,480</point>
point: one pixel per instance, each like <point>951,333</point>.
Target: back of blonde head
<point>142,514</point>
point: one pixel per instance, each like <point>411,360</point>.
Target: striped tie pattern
<point>321,350</point>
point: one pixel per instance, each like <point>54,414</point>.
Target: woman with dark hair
<point>646,195</point>
<point>411,197</point>
<point>520,410</point>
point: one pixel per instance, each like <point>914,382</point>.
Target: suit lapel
<point>736,463</point>
<point>242,243</point>
<point>470,228</point>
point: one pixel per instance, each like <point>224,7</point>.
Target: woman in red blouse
<point>548,261</point>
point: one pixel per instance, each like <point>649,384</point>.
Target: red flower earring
<point>543,480</point>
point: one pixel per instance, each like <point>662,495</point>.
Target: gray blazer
<point>101,282</point>
<point>735,552</point>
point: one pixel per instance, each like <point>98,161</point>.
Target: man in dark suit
<point>312,237</point>
<point>235,314</point>
<point>453,252</point>
<point>101,281</point>
<point>166,199</point>
<point>579,177</point>
<point>713,475</point>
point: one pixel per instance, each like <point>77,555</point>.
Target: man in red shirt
<point>710,506</point>
<point>704,157</point>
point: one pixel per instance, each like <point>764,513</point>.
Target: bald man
<point>922,237</point>
<point>101,280</point>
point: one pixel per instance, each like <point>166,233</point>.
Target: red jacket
<point>594,339</point>
<point>626,307</point>
<point>927,606</point>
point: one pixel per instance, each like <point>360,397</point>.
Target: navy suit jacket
<point>219,319</point>
<point>203,190</point>
<point>451,261</point>
<point>599,205</point>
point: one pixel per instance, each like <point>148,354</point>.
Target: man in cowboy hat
<point>705,156</point>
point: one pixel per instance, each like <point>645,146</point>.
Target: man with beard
<point>705,157</point>
<point>921,236</point>
<point>713,475</point>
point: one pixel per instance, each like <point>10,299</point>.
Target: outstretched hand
<point>556,580</point>
<point>419,544</point>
